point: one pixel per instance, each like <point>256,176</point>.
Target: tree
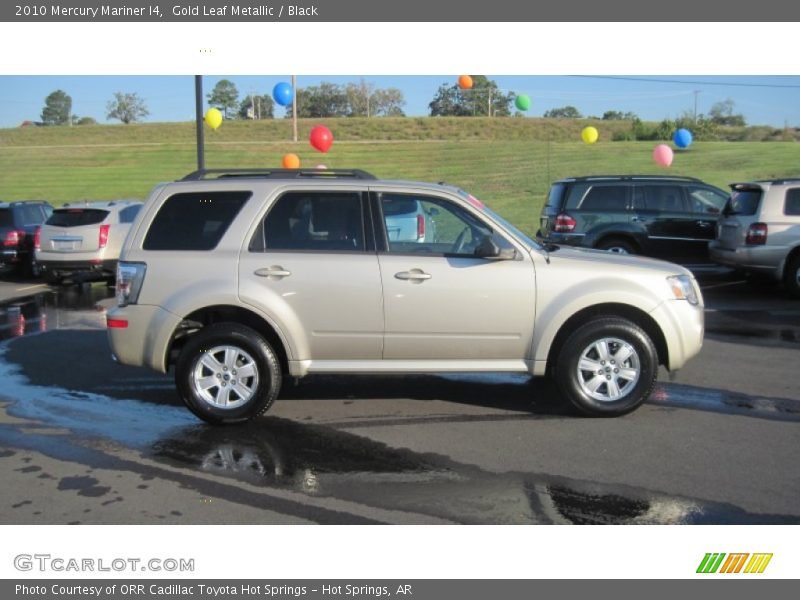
<point>359,97</point>
<point>565,112</point>
<point>128,108</point>
<point>617,115</point>
<point>484,98</point>
<point>57,108</point>
<point>76,120</point>
<point>224,96</point>
<point>257,107</point>
<point>388,102</point>
<point>721,113</point>
<point>324,100</point>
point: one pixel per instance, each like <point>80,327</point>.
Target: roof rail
<point>278,174</point>
<point>629,177</point>
<point>779,180</point>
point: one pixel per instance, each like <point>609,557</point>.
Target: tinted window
<point>128,215</point>
<point>743,202</point>
<point>665,198</point>
<point>792,206</point>
<point>400,206</point>
<point>604,198</point>
<point>194,221</point>
<point>76,217</point>
<point>555,195</point>
<point>6,218</point>
<point>706,201</point>
<point>30,215</point>
<point>316,221</point>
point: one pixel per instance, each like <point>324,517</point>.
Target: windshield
<point>504,222</point>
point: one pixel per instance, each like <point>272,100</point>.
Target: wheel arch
<point>225,313</point>
<point>610,309</point>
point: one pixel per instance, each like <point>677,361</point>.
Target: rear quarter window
<point>792,205</point>
<point>76,217</point>
<point>194,220</point>
<point>743,202</point>
<point>598,197</point>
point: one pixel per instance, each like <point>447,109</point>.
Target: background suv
<point>667,217</point>
<point>83,241</point>
<point>238,280</point>
<point>18,224</point>
<point>759,230</point>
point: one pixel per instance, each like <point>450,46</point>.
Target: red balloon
<point>321,138</point>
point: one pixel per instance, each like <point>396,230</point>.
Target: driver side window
<point>428,225</point>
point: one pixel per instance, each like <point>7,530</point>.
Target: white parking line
<point>31,287</point>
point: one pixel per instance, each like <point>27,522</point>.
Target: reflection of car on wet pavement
<point>18,225</point>
<point>82,241</point>
<point>759,231</point>
<point>241,280</point>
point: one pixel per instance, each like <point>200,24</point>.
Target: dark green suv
<point>673,218</point>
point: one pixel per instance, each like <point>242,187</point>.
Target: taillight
<point>564,223</point>
<point>130,277</point>
<point>104,235</point>
<point>13,238</point>
<point>116,323</point>
<point>756,234</point>
<point>37,238</point>
<point>420,228</point>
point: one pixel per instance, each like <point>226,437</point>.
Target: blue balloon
<point>682,138</point>
<point>282,93</point>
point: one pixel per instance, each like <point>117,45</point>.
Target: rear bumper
<point>567,239</point>
<point>145,338</point>
<point>87,269</point>
<point>759,259</point>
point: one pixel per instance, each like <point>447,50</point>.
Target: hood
<point>599,258</point>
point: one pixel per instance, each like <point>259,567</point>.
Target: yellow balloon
<point>213,118</point>
<point>290,161</point>
<point>589,135</point>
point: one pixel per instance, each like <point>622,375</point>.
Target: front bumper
<point>683,326</point>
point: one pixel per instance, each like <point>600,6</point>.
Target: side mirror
<point>488,249</point>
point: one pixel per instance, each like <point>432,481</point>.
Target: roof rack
<point>779,180</point>
<point>278,174</point>
<point>629,177</point>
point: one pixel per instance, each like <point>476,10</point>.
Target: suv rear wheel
<point>607,367</point>
<point>792,276</point>
<point>227,373</point>
<point>617,246</point>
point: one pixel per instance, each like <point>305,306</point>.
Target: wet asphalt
<point>84,440</point>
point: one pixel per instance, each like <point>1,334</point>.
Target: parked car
<point>759,230</point>
<point>673,218</point>
<point>18,223</point>
<point>81,242</point>
<point>408,221</point>
<point>222,279</point>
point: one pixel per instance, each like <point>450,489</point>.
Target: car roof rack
<point>629,177</point>
<point>204,174</point>
<point>779,180</point>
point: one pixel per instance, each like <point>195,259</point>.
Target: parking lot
<point>84,440</point>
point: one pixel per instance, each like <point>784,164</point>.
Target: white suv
<point>240,278</point>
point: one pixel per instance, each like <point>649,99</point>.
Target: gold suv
<point>239,278</point>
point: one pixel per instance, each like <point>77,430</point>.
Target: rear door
<point>668,221</point>
<point>73,230</point>
<point>312,266</point>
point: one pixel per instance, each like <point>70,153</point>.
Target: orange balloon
<point>465,82</point>
<point>291,161</point>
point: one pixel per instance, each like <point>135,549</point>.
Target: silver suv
<point>759,230</point>
<point>83,241</point>
<point>238,279</point>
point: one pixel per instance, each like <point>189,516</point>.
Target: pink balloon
<point>663,155</point>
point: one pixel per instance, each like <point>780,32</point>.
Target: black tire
<point>32,269</point>
<point>50,278</point>
<point>791,277</point>
<point>617,245</point>
<point>262,390</point>
<point>574,384</point>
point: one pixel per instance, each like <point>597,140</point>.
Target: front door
<point>441,302</point>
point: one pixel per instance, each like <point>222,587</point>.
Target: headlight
<point>683,288</point>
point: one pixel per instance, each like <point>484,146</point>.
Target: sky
<point>763,100</point>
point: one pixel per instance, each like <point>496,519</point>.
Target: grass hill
<point>507,162</point>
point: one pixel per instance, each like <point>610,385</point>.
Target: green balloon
<point>523,102</point>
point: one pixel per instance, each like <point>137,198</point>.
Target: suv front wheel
<point>227,373</point>
<point>607,367</point>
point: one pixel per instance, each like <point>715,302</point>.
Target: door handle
<point>704,224</point>
<point>414,275</point>
<point>276,271</point>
